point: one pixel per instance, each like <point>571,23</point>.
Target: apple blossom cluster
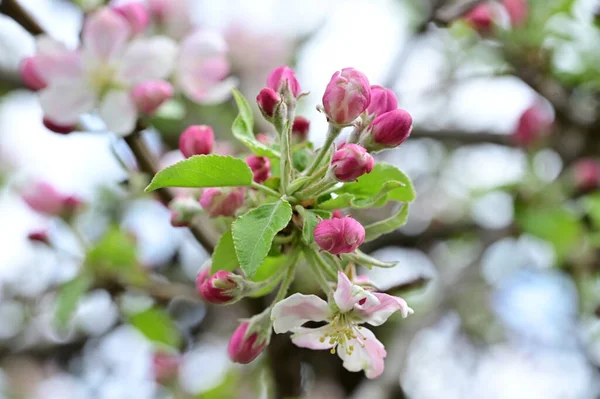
<point>131,59</point>
<point>280,205</point>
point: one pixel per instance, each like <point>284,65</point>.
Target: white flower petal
<point>297,309</point>
<point>347,294</point>
<point>366,354</point>
<point>105,34</point>
<point>118,112</point>
<point>64,101</point>
<point>377,314</point>
<point>148,59</point>
<point>311,338</point>
<point>218,93</point>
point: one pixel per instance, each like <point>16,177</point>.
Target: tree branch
<point>15,10</point>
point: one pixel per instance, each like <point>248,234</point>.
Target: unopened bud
<point>481,18</point>
<point>300,129</point>
<point>217,202</point>
<point>44,198</point>
<point>533,125</point>
<point>57,128</point>
<point>339,235</point>
<point>388,130</point>
<point>517,10</point>
<point>281,76</point>
<point>337,214</point>
<point>245,346</point>
<point>196,140</point>
<point>220,288</point>
<point>347,95</point>
<point>136,14</point>
<point>150,95</point>
<point>268,100</point>
<point>350,162</point>
<point>586,174</point>
<point>261,167</point>
<point>30,75</point>
<point>165,366</point>
<point>382,100</point>
<point>183,209</point>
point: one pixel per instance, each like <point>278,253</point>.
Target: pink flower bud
<point>217,202</point>
<point>196,140</point>
<point>586,174</point>
<point>57,128</point>
<point>518,11</point>
<point>337,214</point>
<point>382,100</point>
<point>217,288</point>
<point>481,18</point>
<point>278,78</point>
<point>44,198</point>
<point>264,138</point>
<point>39,236</point>
<point>183,209</point>
<point>243,347</point>
<point>150,95</point>
<point>533,125</point>
<point>388,130</point>
<point>347,95</point>
<point>268,100</point>
<point>300,128</point>
<point>30,75</point>
<point>340,235</point>
<point>136,15</point>
<point>165,366</point>
<point>350,162</point>
<point>261,167</point>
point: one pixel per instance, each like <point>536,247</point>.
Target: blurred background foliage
<point>499,258</point>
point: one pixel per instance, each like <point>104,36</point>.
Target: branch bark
<point>15,10</point>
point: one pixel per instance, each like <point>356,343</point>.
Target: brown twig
<point>13,9</point>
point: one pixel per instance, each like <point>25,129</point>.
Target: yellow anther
<point>332,351</point>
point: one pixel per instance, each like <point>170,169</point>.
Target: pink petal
<point>64,101</point>
<point>311,338</point>
<point>347,294</point>
<point>368,354</point>
<point>297,309</point>
<point>53,60</point>
<point>118,112</point>
<point>148,59</point>
<point>377,314</point>
<point>105,34</point>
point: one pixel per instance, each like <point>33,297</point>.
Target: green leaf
<point>310,221</point>
<point>559,226</point>
<point>115,256</point>
<point>371,184</point>
<point>204,171</point>
<point>367,261</point>
<point>157,326</point>
<point>301,159</point>
<point>224,257</point>
<point>273,183</point>
<point>348,200</point>
<point>591,204</point>
<point>254,231</point>
<point>68,296</point>
<point>270,266</point>
<point>388,225</point>
<point>243,125</point>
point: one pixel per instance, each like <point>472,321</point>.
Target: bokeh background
<point>501,242</point>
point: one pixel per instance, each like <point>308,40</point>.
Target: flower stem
<point>332,133</point>
<point>317,189</point>
<point>319,266</point>
<point>289,277</point>
<point>285,159</point>
<point>307,180</point>
<point>355,135</point>
<point>265,189</point>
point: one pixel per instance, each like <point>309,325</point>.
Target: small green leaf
<point>367,261</point>
<point>114,255</point>
<point>301,159</point>
<point>370,185</point>
<point>273,183</point>
<point>243,125</point>
<point>68,296</point>
<point>347,200</point>
<point>270,266</point>
<point>204,171</point>
<point>224,257</point>
<point>388,225</point>
<point>254,231</point>
<point>157,326</point>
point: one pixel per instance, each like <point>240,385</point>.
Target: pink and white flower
<point>352,305</point>
<point>100,74</point>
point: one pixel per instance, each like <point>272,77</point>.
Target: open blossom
<point>340,235</point>
<point>347,95</point>
<point>172,17</point>
<point>101,73</point>
<point>150,95</point>
<point>44,198</point>
<point>356,345</point>
<point>136,15</point>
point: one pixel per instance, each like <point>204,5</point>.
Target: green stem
<point>319,261</point>
<point>285,160</point>
<point>355,135</point>
<point>289,277</point>
<point>317,189</point>
<point>265,189</point>
<point>332,133</point>
<point>314,265</point>
<point>284,239</point>
<point>308,180</point>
